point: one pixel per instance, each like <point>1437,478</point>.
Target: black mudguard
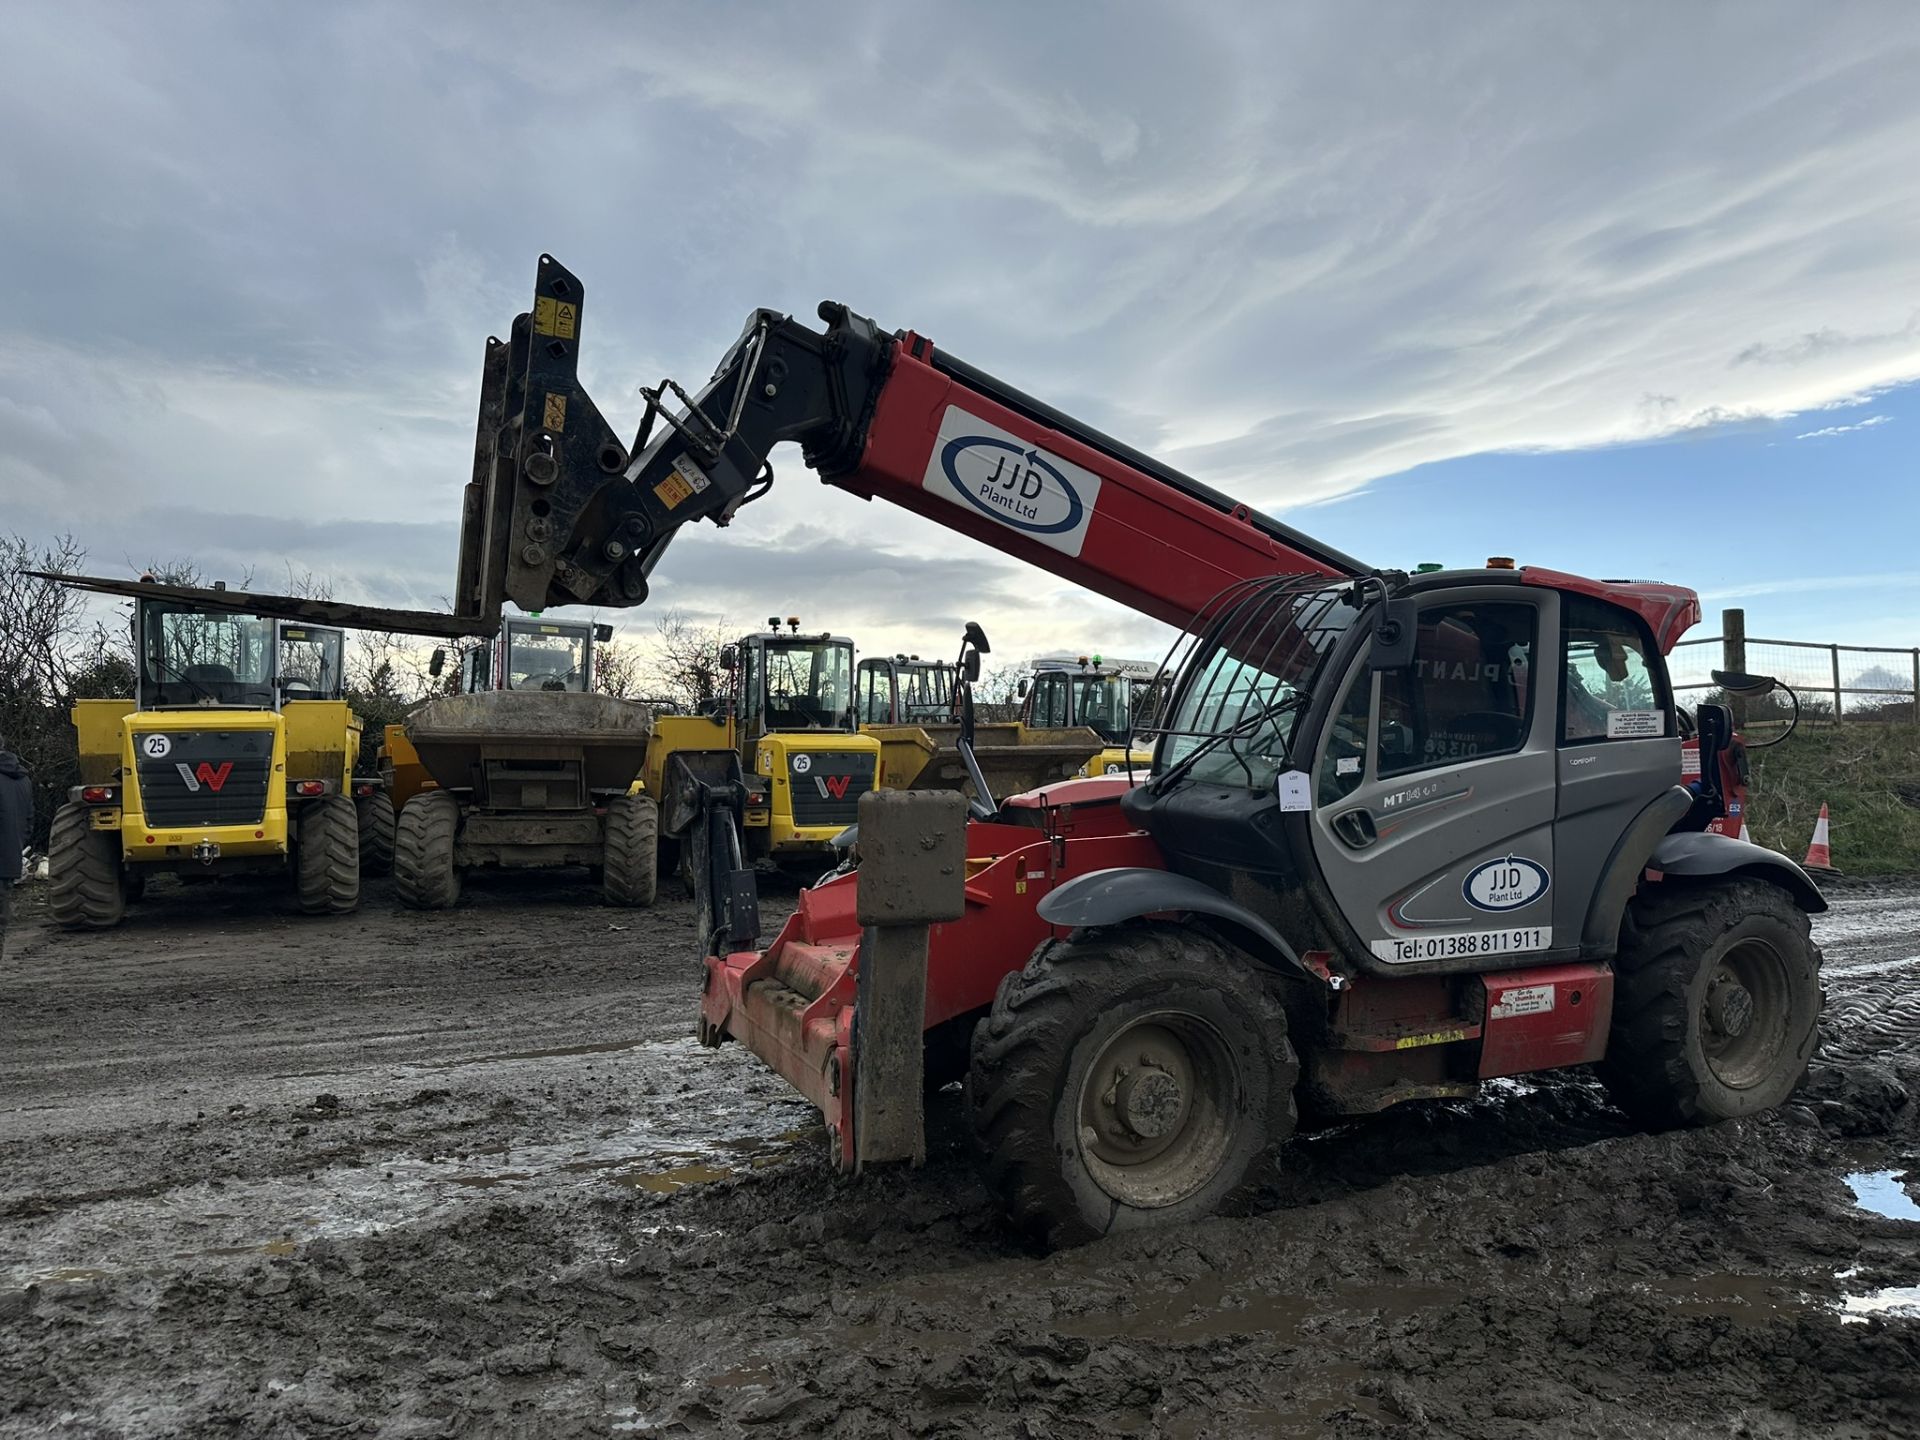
<point>1698,854</point>
<point>1111,897</point>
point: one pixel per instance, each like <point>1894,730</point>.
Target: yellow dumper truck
<point>234,755</point>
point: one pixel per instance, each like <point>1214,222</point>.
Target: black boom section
<point>561,512</point>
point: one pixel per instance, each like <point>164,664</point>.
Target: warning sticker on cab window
<point>1636,724</point>
<point>1523,1000</point>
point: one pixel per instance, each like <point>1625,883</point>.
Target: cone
<point>1820,852</point>
<point>1746,834</point>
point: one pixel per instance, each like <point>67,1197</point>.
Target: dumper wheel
<point>424,875</point>
<point>377,822</point>
<point>631,873</point>
<point>1716,1004</point>
<point>84,889</point>
<point>1127,1078</point>
<point>326,856</point>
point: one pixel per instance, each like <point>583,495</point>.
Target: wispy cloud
<point>1866,424</point>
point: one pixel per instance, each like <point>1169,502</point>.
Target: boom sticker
<point>1009,480</point>
<point>1505,884</point>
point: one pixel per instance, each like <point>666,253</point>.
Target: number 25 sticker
<point>159,746</point>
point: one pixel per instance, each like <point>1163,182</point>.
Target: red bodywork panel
<point>1148,545</point>
<point>792,1004</point>
<point>1669,610</point>
<point>1545,1018</point>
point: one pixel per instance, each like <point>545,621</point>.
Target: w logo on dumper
<point>205,773</point>
<point>833,787</point>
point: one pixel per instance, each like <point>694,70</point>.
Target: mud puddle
<point>664,1143</point>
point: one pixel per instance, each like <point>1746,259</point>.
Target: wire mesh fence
<point>1833,681</point>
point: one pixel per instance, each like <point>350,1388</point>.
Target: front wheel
<point>1129,1078</point>
<point>326,856</point>
<point>630,853</point>
<point>84,888</point>
<point>1716,1006</point>
<point>377,822</point>
<point>425,873</point>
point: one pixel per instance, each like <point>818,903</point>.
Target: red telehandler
<point>1401,834</point>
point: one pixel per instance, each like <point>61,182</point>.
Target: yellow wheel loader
<point>234,755</point>
<point>785,739</point>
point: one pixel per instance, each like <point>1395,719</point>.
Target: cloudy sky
<point>1618,289</point>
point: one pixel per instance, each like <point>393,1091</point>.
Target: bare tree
<point>619,668</point>
<point>683,662</point>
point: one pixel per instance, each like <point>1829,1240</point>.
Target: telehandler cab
<point>1401,834</point>
<point>233,755</point>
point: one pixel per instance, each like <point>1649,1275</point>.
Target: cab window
<point>1609,689</point>
<point>1049,707</point>
<point>1466,695</point>
<point>1343,764</point>
<point>875,694</point>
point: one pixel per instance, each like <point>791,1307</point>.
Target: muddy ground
<point>467,1174</point>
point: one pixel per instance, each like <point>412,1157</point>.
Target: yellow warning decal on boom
<point>554,416</point>
<point>555,317</point>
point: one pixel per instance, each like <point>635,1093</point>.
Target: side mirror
<point>729,657</point>
<point>1743,685</point>
<point>977,638</point>
<point>1021,689</point>
<point>437,663</point>
<point>971,667</point>
<point>1394,634</point>
<point>603,632</point>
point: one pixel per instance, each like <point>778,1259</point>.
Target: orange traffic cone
<point>1820,852</point>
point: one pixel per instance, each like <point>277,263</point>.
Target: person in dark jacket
<point>16,824</point>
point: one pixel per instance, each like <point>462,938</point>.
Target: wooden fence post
<point>1733,656</point>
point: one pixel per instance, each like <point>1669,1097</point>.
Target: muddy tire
<point>424,875</point>
<point>377,823</point>
<point>1716,1004</point>
<point>1128,1078</point>
<point>631,857</point>
<point>84,888</point>
<point>326,856</point>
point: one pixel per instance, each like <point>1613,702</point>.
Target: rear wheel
<point>424,875</point>
<point>377,822</point>
<point>84,889</point>
<point>1716,1007</point>
<point>631,856</point>
<point>326,856</point>
<point>1129,1078</point>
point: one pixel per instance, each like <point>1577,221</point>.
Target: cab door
<point>1619,744</point>
<point>1433,788</point>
